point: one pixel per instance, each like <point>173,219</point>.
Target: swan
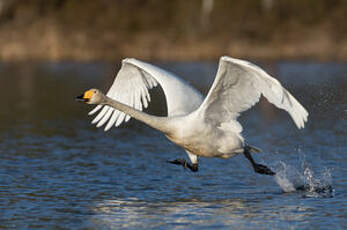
<point>202,127</point>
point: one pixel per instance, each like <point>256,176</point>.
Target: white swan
<point>206,128</point>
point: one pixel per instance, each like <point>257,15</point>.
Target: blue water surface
<point>59,172</point>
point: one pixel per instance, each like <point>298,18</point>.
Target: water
<point>58,171</point>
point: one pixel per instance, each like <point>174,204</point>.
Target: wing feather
<point>131,87</point>
<point>143,97</point>
<point>120,119</point>
<point>105,118</point>
<point>100,115</point>
<point>238,86</point>
<point>112,120</point>
<point>96,109</point>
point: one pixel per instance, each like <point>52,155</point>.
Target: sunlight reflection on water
<point>132,213</point>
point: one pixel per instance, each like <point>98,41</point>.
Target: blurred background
<point>172,30</point>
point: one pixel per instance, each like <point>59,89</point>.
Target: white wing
<point>238,86</point>
<point>131,86</point>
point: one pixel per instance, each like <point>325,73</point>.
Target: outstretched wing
<point>238,86</point>
<point>131,87</point>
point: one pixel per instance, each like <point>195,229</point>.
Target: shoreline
<point>163,51</point>
<point>102,31</point>
<point>54,45</point>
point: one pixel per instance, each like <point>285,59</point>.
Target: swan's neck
<point>159,123</point>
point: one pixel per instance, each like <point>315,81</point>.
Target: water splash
<point>317,186</point>
<point>291,179</point>
<point>288,177</point>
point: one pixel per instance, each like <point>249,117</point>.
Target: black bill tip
<point>81,99</point>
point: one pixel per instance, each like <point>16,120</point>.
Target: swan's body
<point>207,128</point>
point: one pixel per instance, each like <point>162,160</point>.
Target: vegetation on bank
<point>172,30</point>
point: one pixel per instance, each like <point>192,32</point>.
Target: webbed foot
<point>262,169</point>
<point>258,168</point>
<point>185,164</point>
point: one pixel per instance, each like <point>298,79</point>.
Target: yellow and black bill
<point>85,97</point>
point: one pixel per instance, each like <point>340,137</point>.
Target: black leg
<point>185,164</point>
<point>258,168</point>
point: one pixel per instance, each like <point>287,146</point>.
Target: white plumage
<point>206,127</point>
<point>239,85</point>
<point>131,86</point>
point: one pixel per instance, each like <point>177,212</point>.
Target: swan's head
<point>92,96</point>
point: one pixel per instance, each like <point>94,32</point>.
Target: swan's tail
<point>253,149</point>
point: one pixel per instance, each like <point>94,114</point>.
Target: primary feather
<point>131,87</point>
<point>238,86</point>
